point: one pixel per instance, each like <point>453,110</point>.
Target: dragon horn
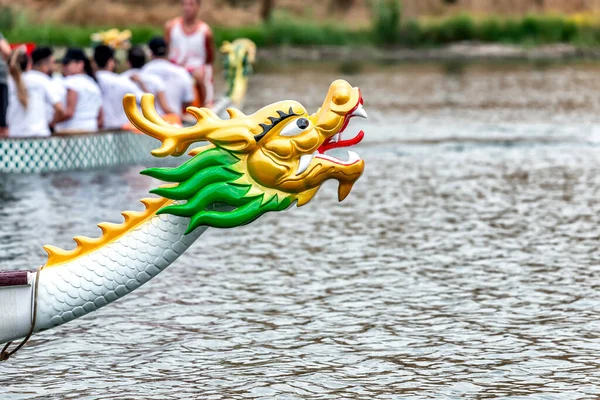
<point>150,113</point>
<point>175,141</point>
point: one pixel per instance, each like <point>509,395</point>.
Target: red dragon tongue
<point>351,142</point>
<point>342,143</point>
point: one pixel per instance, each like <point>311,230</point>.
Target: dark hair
<point>158,46</point>
<point>41,54</point>
<point>102,55</point>
<point>22,61</point>
<point>136,57</point>
<point>76,54</point>
<point>87,67</point>
<point>73,54</point>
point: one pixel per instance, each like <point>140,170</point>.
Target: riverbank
<point>464,51</point>
<point>387,28</point>
<point>352,57</point>
<point>388,39</point>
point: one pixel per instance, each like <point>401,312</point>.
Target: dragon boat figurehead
<point>250,165</point>
<point>291,148</point>
<point>255,163</point>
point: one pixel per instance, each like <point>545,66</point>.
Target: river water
<point>464,264</point>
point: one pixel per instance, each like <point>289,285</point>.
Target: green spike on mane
<point>209,179</point>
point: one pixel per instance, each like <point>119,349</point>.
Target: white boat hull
<point>71,290</point>
<point>81,152</point>
<point>16,306</point>
<point>76,152</point>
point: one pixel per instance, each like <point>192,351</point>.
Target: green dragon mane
<point>206,181</point>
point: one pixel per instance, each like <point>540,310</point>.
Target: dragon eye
<point>295,127</point>
<point>302,123</point>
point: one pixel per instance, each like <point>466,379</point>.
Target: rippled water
<point>465,263</point>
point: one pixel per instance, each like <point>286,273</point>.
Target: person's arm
<point>189,95</point>
<point>162,102</point>
<point>161,96</point>
<point>15,72</point>
<point>101,118</point>
<point>69,111</point>
<point>168,27</point>
<point>134,89</point>
<point>53,98</point>
<point>210,47</point>
<point>138,81</point>
<point>59,114</point>
<point>5,49</point>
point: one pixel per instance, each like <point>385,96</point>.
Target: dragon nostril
<point>341,96</point>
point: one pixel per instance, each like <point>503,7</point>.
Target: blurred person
<point>136,58</point>
<point>83,110</point>
<point>58,79</point>
<point>5,52</point>
<point>179,86</point>
<point>32,94</point>
<point>191,45</point>
<point>114,87</point>
<point>43,61</point>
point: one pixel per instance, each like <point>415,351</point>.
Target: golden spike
<point>258,190</point>
<point>235,113</point>
<point>307,196</point>
<point>225,47</point>
<point>251,49</point>
<point>81,240</point>
<point>255,191</point>
<point>110,233</point>
<point>344,189</point>
<point>168,185</point>
<point>197,150</point>
<point>149,111</point>
<point>175,141</point>
<point>107,227</point>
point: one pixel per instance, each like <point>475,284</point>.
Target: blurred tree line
<point>267,6</point>
<point>390,25</point>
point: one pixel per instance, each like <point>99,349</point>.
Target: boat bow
<point>249,165</point>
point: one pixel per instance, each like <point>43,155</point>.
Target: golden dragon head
<point>253,163</point>
<point>113,38</point>
<point>238,61</point>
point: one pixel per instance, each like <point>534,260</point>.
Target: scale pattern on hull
<point>69,291</point>
<point>33,155</point>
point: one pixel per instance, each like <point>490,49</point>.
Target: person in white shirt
<point>58,81</point>
<point>179,85</point>
<point>31,94</point>
<point>83,111</point>
<point>5,52</point>
<point>136,57</point>
<point>191,45</point>
<point>114,87</point>
<point>43,60</point>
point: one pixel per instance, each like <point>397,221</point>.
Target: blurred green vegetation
<point>387,28</point>
<point>386,18</point>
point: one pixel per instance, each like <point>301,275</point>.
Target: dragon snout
<point>342,103</point>
<point>343,97</point>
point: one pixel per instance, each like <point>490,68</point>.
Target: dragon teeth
<point>352,157</point>
<point>359,112</point>
<point>307,158</point>
<point>304,163</point>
